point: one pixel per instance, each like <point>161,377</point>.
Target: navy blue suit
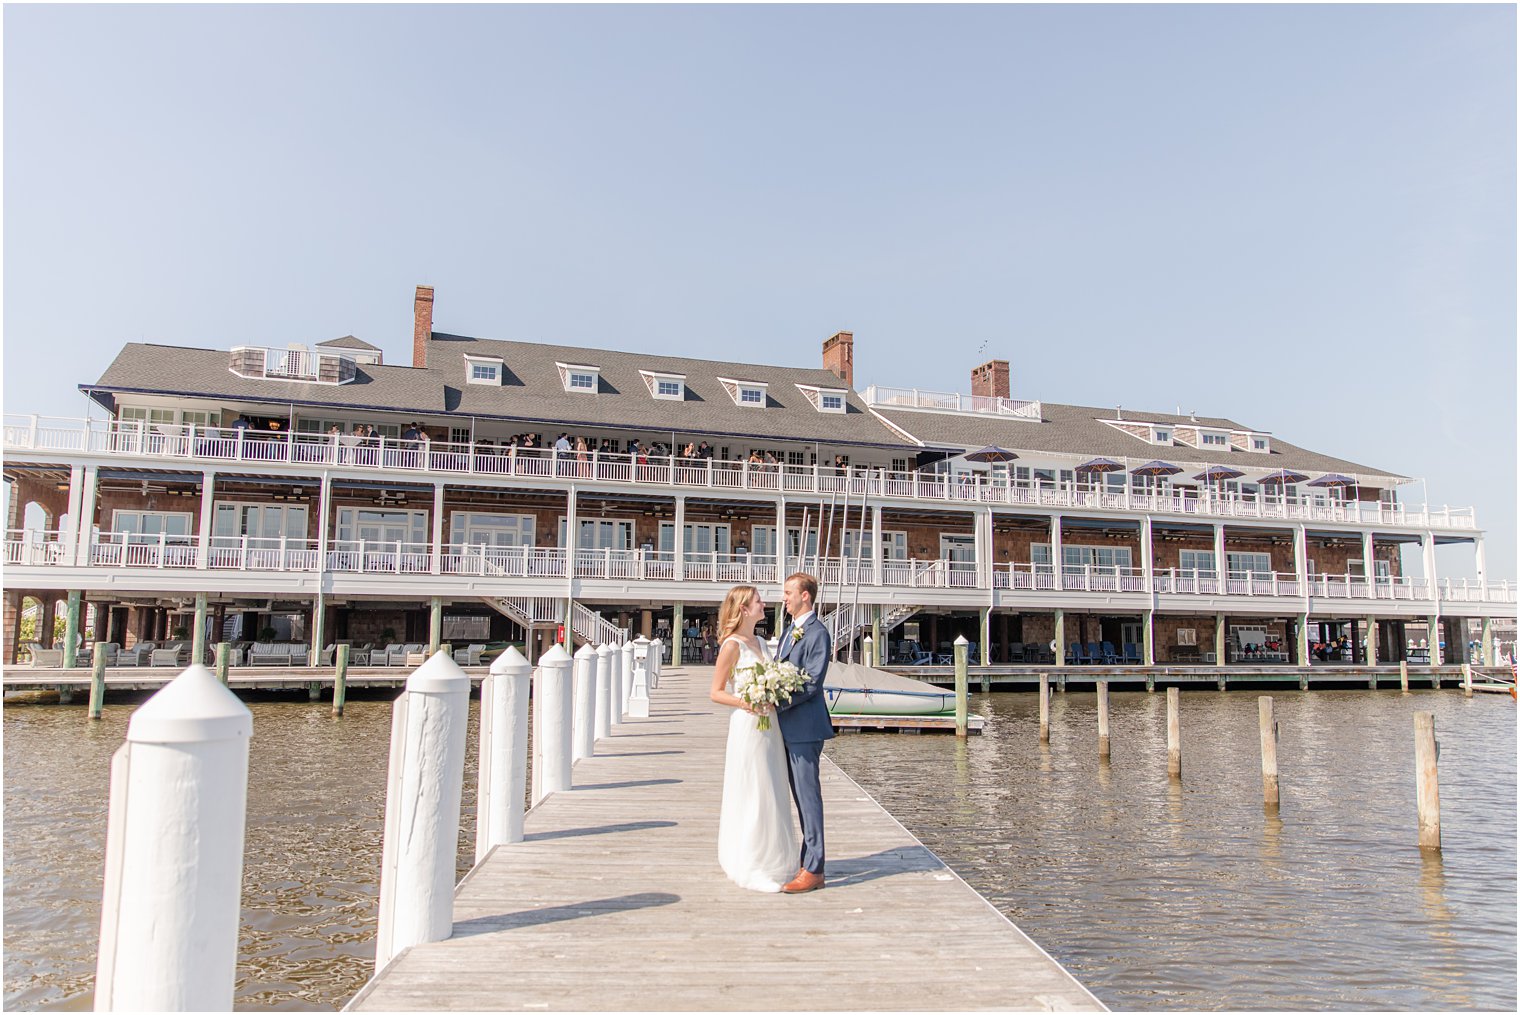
<point>805,725</point>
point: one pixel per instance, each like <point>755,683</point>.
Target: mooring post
<point>1427,752</point>
<point>1174,732</point>
<point>340,681</point>
<point>174,851</point>
<point>1044,708</point>
<point>644,668</point>
<point>223,659</point>
<point>423,789</point>
<point>503,777</point>
<point>71,630</point>
<point>653,664</point>
<point>1103,719</point>
<point>960,684</point>
<point>1467,688</point>
<point>435,624</point>
<point>1404,675</point>
<point>605,662</point>
<point>1269,788</point>
<point>635,658</point>
<point>866,648</point>
<point>1150,683</point>
<point>552,716</point>
<point>583,723</point>
<point>98,680</point>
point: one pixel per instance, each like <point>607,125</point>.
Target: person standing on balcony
<point>563,444</point>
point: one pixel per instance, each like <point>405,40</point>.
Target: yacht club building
<point>494,490</point>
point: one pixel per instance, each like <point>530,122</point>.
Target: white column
<point>622,682</point>
<point>1147,558</point>
<point>781,563</point>
<point>1369,570</point>
<point>1428,548</point>
<point>438,529</point>
<point>1221,571</point>
<point>552,706</point>
<point>605,667</point>
<point>679,537</point>
<point>1301,556</point>
<point>424,786</point>
<point>1056,555</point>
<point>324,507</point>
<point>1148,638</point>
<point>572,544</point>
<point>1480,562</point>
<point>876,550</point>
<point>502,781</point>
<point>87,514</point>
<point>208,519</point>
<point>635,655</point>
<point>583,722</point>
<point>174,852</point>
<point>69,536</point>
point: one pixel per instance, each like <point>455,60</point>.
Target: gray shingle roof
<point>348,342</point>
<point>1078,430</point>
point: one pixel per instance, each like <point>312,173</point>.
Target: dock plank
<point>614,901</point>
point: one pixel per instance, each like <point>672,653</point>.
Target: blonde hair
<point>732,611</point>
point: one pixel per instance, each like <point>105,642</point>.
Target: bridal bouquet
<point>767,684</point>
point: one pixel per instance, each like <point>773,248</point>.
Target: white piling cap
<point>960,639</point>
<point>440,674</point>
<point>605,649</point>
<point>641,639</point>
<point>193,707</point>
<point>868,637</point>
<point>556,656</point>
<point>510,661</point>
<point>585,651</point>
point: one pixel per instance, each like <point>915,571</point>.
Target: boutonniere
<point>796,635</point>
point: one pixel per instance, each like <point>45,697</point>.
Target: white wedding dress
<point>757,841</point>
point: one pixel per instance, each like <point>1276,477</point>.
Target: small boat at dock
<point>853,689</point>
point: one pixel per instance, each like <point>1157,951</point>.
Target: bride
<point>757,845</point>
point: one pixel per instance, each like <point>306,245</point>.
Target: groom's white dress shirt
<point>799,621</point>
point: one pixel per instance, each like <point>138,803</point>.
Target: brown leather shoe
<point>805,881</point>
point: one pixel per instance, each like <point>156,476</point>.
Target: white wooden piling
<point>583,721</point>
<point>867,653</point>
<point>643,669</point>
<point>423,790</point>
<point>607,657</point>
<point>503,776</point>
<point>552,707</point>
<point>1103,719</point>
<point>638,660</point>
<point>98,680</point>
<point>1173,733</point>
<point>1427,753</point>
<point>1467,688</point>
<point>1404,675</point>
<point>174,851</point>
<point>656,663</point>
<point>1268,728</point>
<point>625,677</point>
<point>961,691</point>
<point>1044,708</point>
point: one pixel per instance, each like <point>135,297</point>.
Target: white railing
<point>224,444</point>
<point>595,628</point>
<point>949,401</point>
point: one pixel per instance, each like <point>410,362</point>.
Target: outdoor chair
<point>1110,657</point>
<point>300,652</point>
<point>469,655</point>
<point>1132,653</point>
<point>167,656</point>
<point>325,657</point>
<point>392,655</point>
<point>1016,652</point>
<point>47,657</point>
<point>268,654</point>
<point>1094,657</point>
<point>137,655</point>
<point>1072,654</point>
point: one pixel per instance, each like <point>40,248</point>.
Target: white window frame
<point>414,519</point>
<point>656,380</point>
<point>719,537</point>
<point>470,528</point>
<point>293,521</point>
<point>1253,440</point>
<point>1198,558</point>
<point>1213,439</point>
<point>816,395</point>
<point>569,373</point>
<point>1161,435</point>
<point>739,389</point>
<point>627,526</point>
<point>1234,558</point>
<point>120,515</point>
<point>484,370</point>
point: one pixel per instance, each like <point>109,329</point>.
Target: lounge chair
<point>1110,657</point>
<point>300,652</point>
<point>1015,652</point>
<point>168,656</point>
<point>396,655</point>
<point>137,655</point>
<point>469,655</point>
<point>268,654</point>
<point>47,657</point>
<point>1132,653</point>
<point>325,657</point>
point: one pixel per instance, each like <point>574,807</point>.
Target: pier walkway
<point>615,901</point>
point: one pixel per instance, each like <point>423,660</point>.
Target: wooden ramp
<point>615,902</point>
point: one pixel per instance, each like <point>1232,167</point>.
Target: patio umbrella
<point>1156,469</point>
<point>1100,465</point>
<point>1334,479</point>
<point>990,454</point>
<point>1283,476</point>
<point>1218,473</point>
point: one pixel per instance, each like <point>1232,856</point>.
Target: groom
<point>805,722</point>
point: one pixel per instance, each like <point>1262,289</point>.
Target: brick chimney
<point>422,324</point>
<point>839,356</point>
<point>991,379</point>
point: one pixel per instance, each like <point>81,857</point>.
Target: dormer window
<point>824,399</point>
<point>483,369</point>
<point>746,393</point>
<point>579,378</point>
<point>1214,439</point>
<point>669,387</point>
<point>1161,434</point>
<point>1260,444</point>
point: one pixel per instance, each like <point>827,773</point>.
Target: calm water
<point>1154,895</point>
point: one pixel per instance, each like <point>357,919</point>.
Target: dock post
<point>503,777</point>
<point>1103,719</point>
<point>223,658</point>
<point>340,680</point>
<point>622,680</point>
<point>421,825</point>
<point>1174,732</point>
<point>1427,752</point>
<point>879,652</point>
<point>637,658</point>
<point>71,630</point>
<point>198,633</point>
<point>435,625</point>
<point>1269,787</point>
<point>656,663</point>
<point>1044,708</point>
<point>604,667</point>
<point>98,680</point>
<point>551,707</point>
<point>1303,680</point>
<point>313,690</point>
<point>1150,683</point>
<point>1467,688</point>
<point>1061,682</point>
<point>867,650</point>
<point>1404,675</point>
<point>583,722</point>
<point>178,800</point>
<point>1060,631</point>
<point>644,670</point>
<point>1221,682</point>
<point>960,685</point>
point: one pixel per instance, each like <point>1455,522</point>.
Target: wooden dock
<point>614,901</point>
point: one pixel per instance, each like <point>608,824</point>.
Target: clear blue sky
<point>1300,217</point>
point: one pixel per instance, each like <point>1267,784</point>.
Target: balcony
<point>32,548</point>
<point>214,446</point>
<point>950,401</point>
<point>295,363</point>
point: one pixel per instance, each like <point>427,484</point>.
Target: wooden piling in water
<point>1044,708</point>
<point>1427,753</point>
<point>960,685</point>
<point>1173,733</point>
<point>223,657</point>
<point>340,681</point>
<point>1467,688</point>
<point>1404,675</point>
<point>1103,719</point>
<point>98,680</point>
<point>1269,788</point>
